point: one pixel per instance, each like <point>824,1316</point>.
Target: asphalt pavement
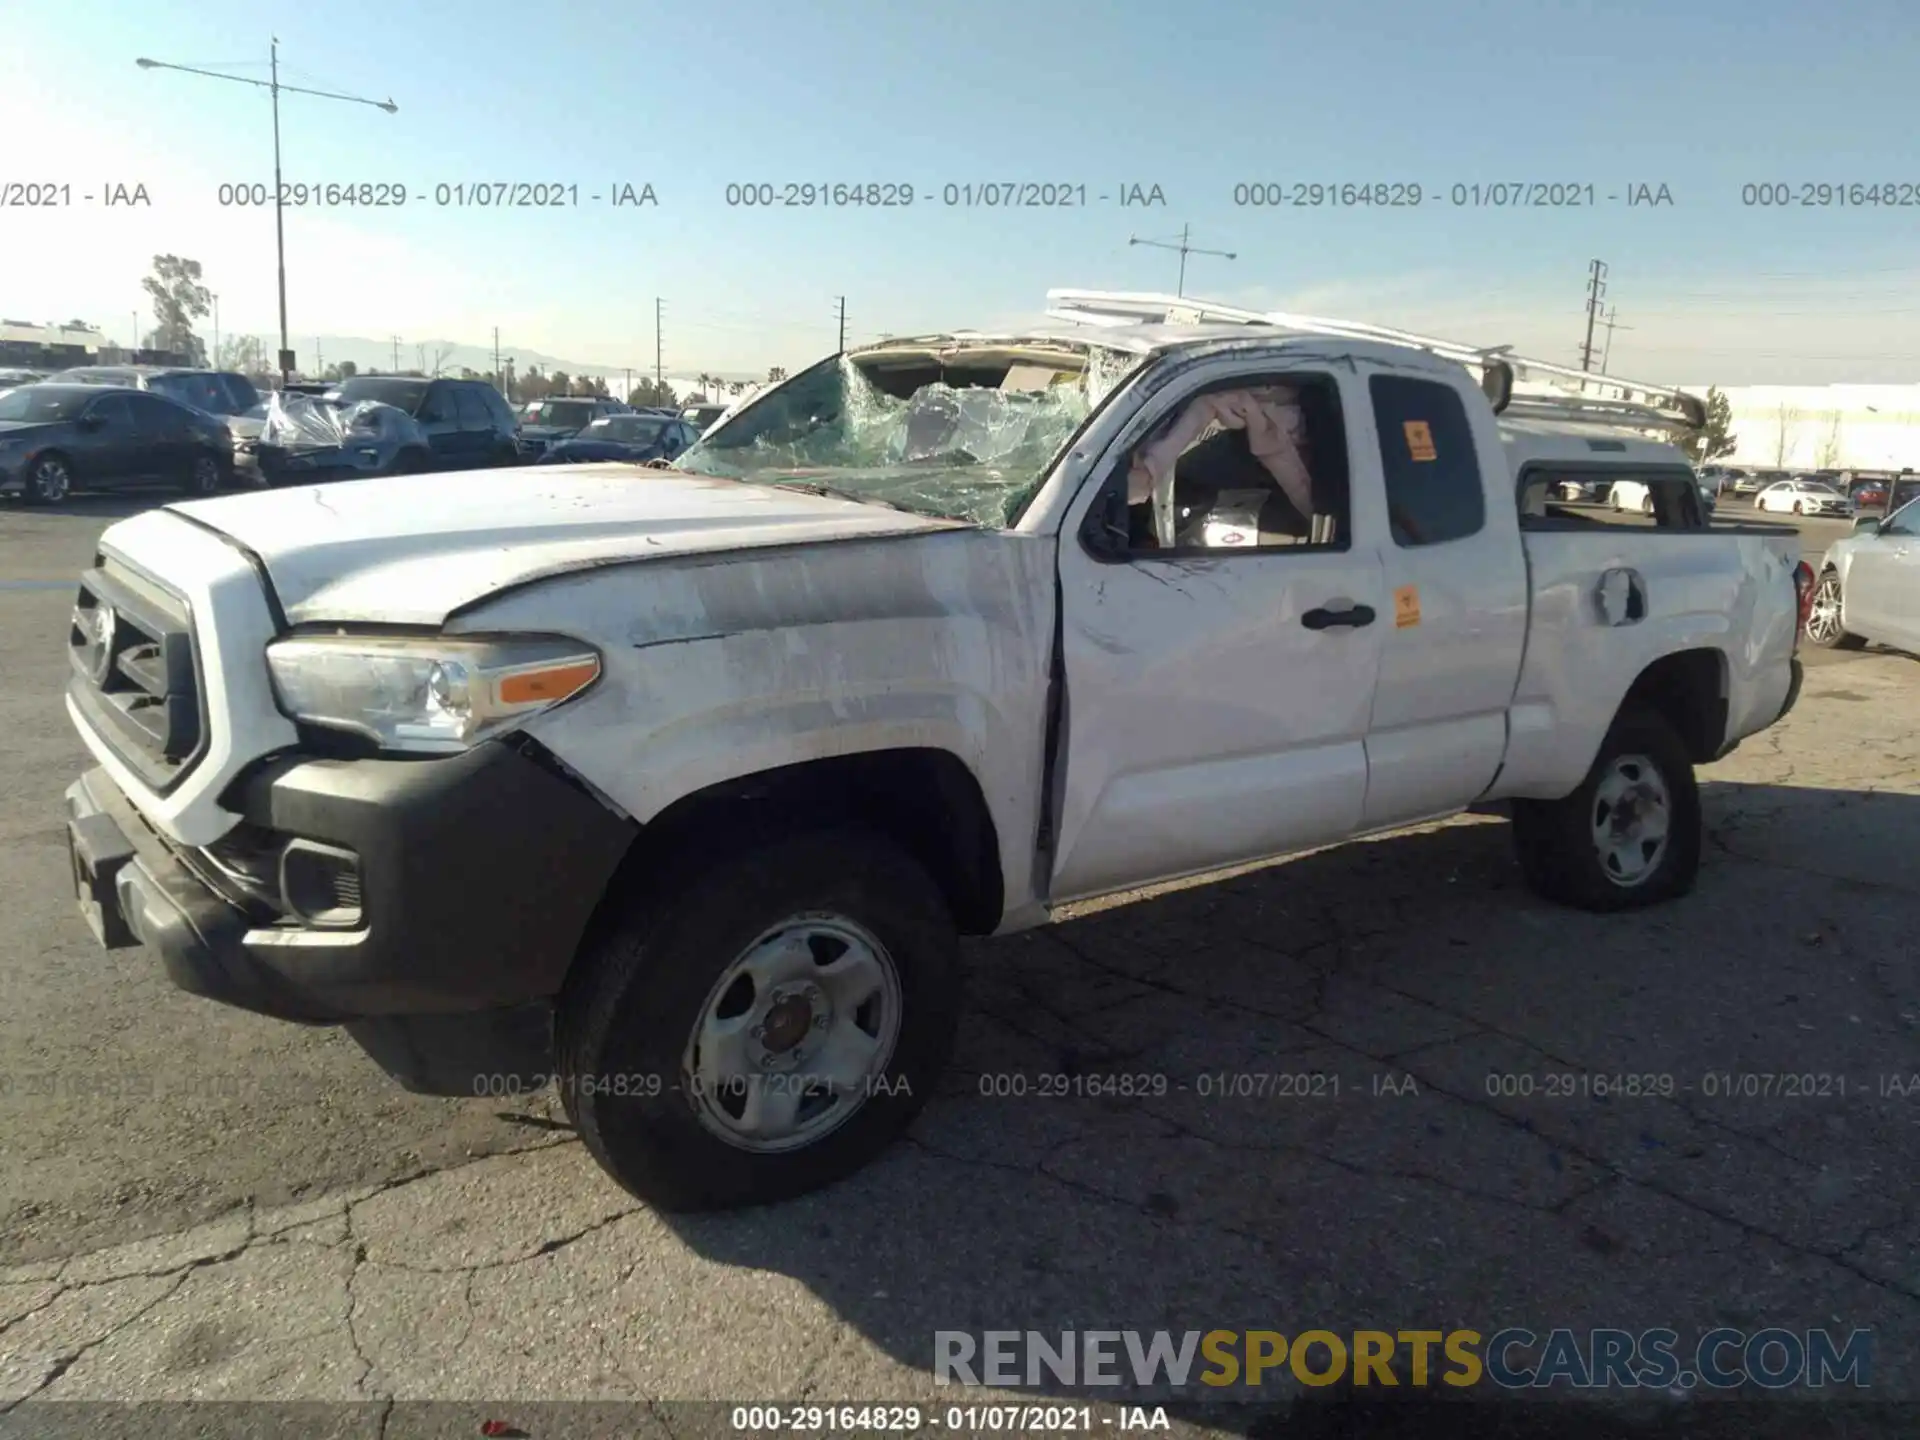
<point>196,1203</point>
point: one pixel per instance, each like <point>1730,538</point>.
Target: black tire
<point>1797,508</point>
<point>1646,503</point>
<point>643,980</point>
<point>49,480</point>
<point>1833,637</point>
<point>205,476</point>
<point>1559,855</point>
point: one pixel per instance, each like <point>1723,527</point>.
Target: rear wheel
<point>1629,836</point>
<point>763,1026</point>
<point>1646,503</point>
<point>1823,616</point>
<point>49,480</point>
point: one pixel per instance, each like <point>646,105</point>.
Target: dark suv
<point>469,424</point>
<point>212,392</point>
<point>548,422</point>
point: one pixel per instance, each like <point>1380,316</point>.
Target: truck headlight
<point>427,694</point>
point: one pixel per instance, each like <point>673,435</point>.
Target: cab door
<point>1216,698</point>
<point>1456,571</point>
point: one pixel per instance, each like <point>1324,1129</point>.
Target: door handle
<point>1324,619</point>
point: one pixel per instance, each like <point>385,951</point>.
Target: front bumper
<point>476,877</point>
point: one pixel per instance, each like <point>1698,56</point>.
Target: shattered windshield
<point>970,452</point>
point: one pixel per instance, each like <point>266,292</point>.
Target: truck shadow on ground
<point>1319,1096</point>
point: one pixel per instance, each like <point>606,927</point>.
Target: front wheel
<point>1797,509</point>
<point>1646,504</point>
<point>204,476</point>
<point>763,1026</point>
<point>1823,617</point>
<point>49,481</point>
<point>1630,836</point>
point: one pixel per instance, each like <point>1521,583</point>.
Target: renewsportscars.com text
<point>1512,1358</point>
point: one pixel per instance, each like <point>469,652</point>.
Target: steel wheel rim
<point>791,1038</point>
<point>1823,618</point>
<point>52,478</point>
<point>1631,818</point>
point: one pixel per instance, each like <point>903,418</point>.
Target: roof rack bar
<point>1631,402</point>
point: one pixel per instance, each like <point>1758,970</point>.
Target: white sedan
<point>1803,497</point>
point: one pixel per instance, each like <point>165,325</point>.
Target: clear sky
<point>1703,96</point>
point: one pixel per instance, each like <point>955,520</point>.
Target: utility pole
<point>843,327</point>
<point>659,366</point>
<point>1596,288</point>
<point>420,354</point>
<point>496,355</point>
<point>319,361</point>
<point>274,87</point>
<point>215,357</point>
<point>1185,250</point>
<point>136,335</point>
<point>1606,353</point>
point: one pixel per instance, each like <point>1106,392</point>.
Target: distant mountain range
<point>451,356</point>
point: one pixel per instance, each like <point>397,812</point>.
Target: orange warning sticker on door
<point>1420,440</point>
<point>1406,606</point>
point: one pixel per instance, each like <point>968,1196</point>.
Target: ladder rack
<point>1599,400</point>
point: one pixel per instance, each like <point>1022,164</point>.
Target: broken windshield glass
<point>967,452</point>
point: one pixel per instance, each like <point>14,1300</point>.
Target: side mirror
<point>91,422</point>
<point>1866,525</point>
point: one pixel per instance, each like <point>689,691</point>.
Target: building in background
<point>47,347</point>
<point>1823,427</point>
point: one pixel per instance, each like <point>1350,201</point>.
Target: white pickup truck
<point>678,786</point>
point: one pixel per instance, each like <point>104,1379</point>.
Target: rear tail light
<point>1803,587</point>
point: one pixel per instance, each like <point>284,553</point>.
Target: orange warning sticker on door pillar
<point>1406,606</point>
<point>1420,440</point>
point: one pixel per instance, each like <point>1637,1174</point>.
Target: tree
<point>1829,456</point>
<point>179,299</point>
<point>1783,438</point>
<point>1715,440</point>
<point>243,354</point>
<point>652,393</point>
<point>775,374</point>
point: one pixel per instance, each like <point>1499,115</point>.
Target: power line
<point>1185,250</point>
<point>1596,287</point>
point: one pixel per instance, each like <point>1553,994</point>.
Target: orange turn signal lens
<point>547,684</point>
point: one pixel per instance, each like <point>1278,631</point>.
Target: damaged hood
<point>413,549</point>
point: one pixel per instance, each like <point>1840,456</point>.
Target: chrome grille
<point>135,674</point>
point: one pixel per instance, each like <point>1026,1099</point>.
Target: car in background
<point>1752,482</point>
<point>1867,587</point>
<point>11,378</point>
<point>1803,497</point>
<point>1868,492</point>
<point>224,393</point>
<point>310,387</point>
<point>309,441</point>
<point>1637,495</point>
<point>1722,478</point>
<point>547,422</point>
<point>701,417</point>
<point>468,423</point>
<point>637,438</point>
<point>56,439</point>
